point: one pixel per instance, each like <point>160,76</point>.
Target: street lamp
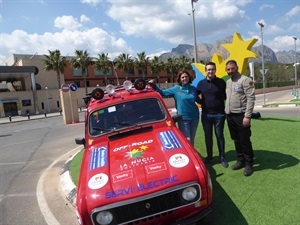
<point>46,88</point>
<point>194,31</point>
<point>296,79</point>
<point>262,60</point>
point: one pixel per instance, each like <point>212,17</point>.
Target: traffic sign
<point>262,72</point>
<point>65,87</point>
<point>73,87</point>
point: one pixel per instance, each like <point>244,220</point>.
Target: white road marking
<point>48,215</point>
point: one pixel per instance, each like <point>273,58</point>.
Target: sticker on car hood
<point>169,140</point>
<point>98,157</point>
<point>179,160</point>
<point>98,181</point>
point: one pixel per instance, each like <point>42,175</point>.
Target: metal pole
<point>71,106</point>
<point>262,60</point>
<point>296,79</point>
<point>194,31</point>
<point>47,97</point>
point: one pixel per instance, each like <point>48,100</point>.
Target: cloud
<point>148,19</point>
<point>93,40</point>
<point>67,22</point>
<point>265,6</point>
<point>281,42</point>
<point>293,12</point>
<point>84,19</point>
<point>91,2</point>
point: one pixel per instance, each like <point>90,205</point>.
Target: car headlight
<point>189,193</point>
<point>104,218</point>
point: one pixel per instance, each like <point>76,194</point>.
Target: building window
<point>100,73</point>
<point>77,72</point>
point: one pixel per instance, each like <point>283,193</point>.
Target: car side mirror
<point>80,141</point>
<point>177,118</point>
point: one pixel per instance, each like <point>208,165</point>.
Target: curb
<point>67,185</point>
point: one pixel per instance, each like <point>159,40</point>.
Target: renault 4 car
<point>137,167</point>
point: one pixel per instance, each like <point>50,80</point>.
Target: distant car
<point>137,167</point>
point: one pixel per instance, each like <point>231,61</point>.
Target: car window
<point>132,113</point>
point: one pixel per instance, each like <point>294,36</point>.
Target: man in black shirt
<point>213,92</point>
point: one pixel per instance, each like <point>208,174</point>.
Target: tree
<point>124,61</point>
<point>172,67</point>
<point>82,61</point>
<point>103,64</point>
<point>184,63</point>
<point>54,61</point>
<point>156,66</point>
<point>141,62</point>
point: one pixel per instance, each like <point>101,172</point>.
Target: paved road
<point>33,154</point>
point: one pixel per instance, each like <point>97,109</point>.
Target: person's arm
<point>165,93</point>
<point>249,90</point>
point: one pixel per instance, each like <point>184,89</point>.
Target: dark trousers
<point>216,121</point>
<point>241,137</point>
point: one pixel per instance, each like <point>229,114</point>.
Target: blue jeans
<point>216,121</point>
<point>189,128</point>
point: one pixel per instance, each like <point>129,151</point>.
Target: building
<point>19,96</point>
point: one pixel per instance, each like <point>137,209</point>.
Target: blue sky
<point>134,26</point>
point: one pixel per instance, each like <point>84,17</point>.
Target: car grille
<point>147,206</point>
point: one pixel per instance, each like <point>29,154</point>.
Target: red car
<point>137,167</point>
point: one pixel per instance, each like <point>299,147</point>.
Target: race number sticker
<point>98,181</point>
<point>179,160</point>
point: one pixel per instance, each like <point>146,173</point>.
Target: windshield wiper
<point>128,124</point>
<point>125,123</point>
<point>103,129</point>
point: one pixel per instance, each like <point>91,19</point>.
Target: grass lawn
<point>272,194</point>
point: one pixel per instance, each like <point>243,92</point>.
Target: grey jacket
<point>240,95</point>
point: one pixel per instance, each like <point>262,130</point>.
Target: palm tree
<point>156,66</point>
<point>103,64</point>
<point>82,61</point>
<point>124,61</point>
<point>172,67</point>
<point>54,61</point>
<point>141,62</point>
<point>184,63</point>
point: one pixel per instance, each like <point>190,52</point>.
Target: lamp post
<point>194,30</point>
<point>296,79</point>
<point>46,88</point>
<point>262,60</point>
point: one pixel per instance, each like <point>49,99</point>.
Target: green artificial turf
<point>271,195</point>
<point>74,167</point>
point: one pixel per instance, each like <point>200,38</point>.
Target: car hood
<point>132,166</point>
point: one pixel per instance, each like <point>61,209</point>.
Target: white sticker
<point>111,109</point>
<point>179,160</point>
<point>98,181</point>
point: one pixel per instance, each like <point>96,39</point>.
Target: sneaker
<point>208,159</point>
<point>224,163</point>
<point>248,171</point>
<point>238,165</point>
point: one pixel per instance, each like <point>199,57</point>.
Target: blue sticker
<point>169,140</point>
<point>98,157</point>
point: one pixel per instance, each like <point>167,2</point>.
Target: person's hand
<point>246,122</point>
<point>151,81</point>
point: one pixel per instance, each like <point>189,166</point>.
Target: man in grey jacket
<point>239,107</point>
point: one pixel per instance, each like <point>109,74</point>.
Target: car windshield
<point>127,114</point>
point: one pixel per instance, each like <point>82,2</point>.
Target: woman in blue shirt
<point>185,96</point>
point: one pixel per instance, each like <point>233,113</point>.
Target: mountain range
<point>205,52</point>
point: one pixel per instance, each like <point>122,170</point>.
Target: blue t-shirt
<point>185,96</point>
